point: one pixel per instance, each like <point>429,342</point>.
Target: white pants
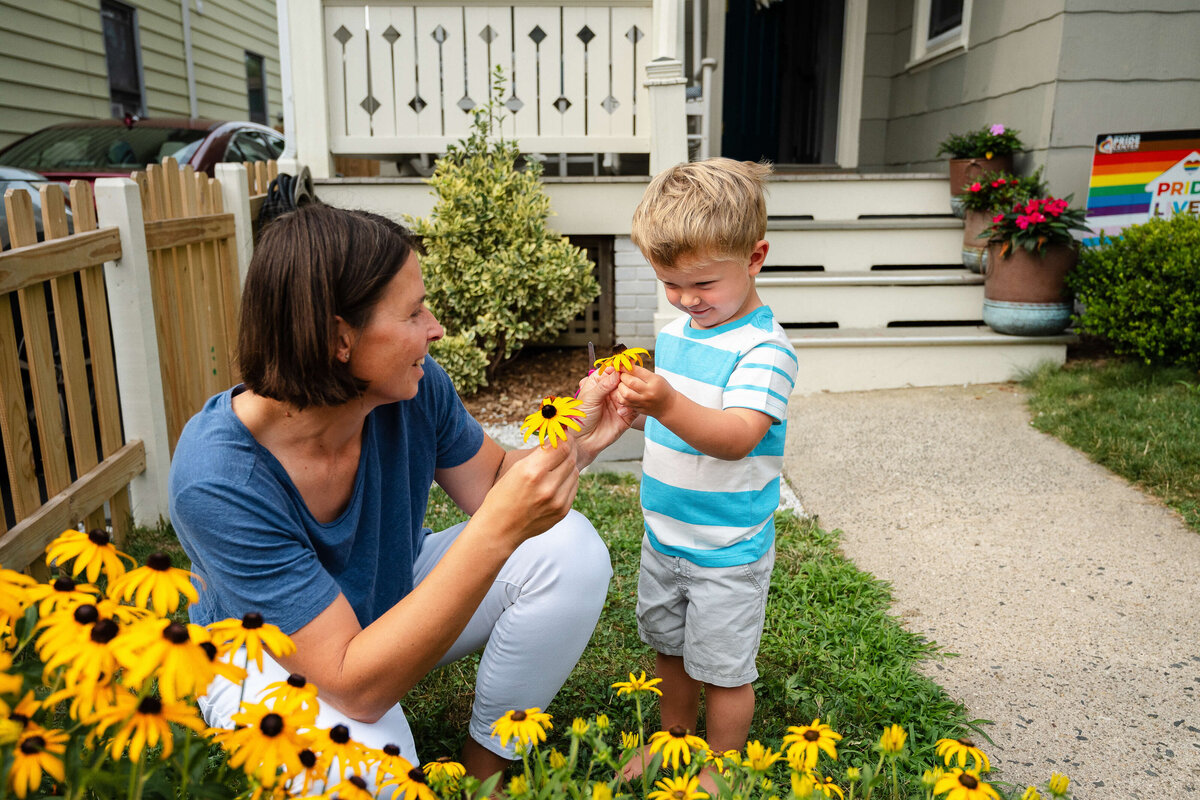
<point>532,626</point>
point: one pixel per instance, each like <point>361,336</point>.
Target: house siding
<point>54,70</point>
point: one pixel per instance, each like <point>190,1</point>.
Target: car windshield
<point>106,147</point>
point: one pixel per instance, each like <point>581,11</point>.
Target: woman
<point>301,493</point>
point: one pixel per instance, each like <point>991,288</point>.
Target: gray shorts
<point>711,616</point>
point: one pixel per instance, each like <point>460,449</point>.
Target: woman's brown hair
<point>309,267</point>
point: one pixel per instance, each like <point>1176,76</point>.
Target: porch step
<point>873,299</point>
<point>848,195</point>
<point>857,245</point>
<point>859,359</point>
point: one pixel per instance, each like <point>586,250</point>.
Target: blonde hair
<point>714,207</point>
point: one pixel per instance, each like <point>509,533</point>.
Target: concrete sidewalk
<point>1071,598</point>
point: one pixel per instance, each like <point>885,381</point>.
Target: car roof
<point>19,174</point>
<point>190,123</point>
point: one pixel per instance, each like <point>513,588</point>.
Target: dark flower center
<point>339,734</point>
<point>271,725</point>
<point>549,411</point>
<point>104,631</point>
<point>64,585</point>
<point>677,731</point>
<point>966,742</point>
<point>811,735</point>
<point>296,680</point>
<point>159,561</point>
<point>210,650</point>
<point>968,780</point>
<point>416,775</point>
<point>33,745</point>
<point>359,782</point>
<point>86,614</point>
<point>150,705</point>
<point>19,717</point>
<point>518,716</point>
<point>98,537</point>
<point>391,749</point>
<point>308,758</point>
<point>252,620</point>
<point>175,633</point>
<point>678,793</point>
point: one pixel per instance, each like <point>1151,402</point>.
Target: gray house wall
<point>52,65</point>
<point>1059,72</point>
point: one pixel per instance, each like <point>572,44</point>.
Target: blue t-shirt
<point>254,544</point>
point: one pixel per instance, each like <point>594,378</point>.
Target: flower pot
<point>966,170</point>
<point>974,249</point>
<point>1024,293</point>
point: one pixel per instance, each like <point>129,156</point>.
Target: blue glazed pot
<point>1026,319</point>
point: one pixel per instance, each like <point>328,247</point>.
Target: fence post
<point>135,345</point>
<point>665,86</point>
<point>307,39</point>
<point>235,196</point>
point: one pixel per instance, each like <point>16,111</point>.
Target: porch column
<point>665,84</point>
<point>306,36</point>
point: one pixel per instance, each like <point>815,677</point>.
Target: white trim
<point>854,50</point>
<point>924,49</point>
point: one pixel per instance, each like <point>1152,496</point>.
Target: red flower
<point>975,187</point>
<point>1037,216</point>
<point>1022,222</point>
<point>998,183</point>
<point>996,220</point>
<point>1031,206</point>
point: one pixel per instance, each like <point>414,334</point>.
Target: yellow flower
<point>988,155</point>
<point>623,361</point>
<point>958,784</point>
<point>444,773</point>
<point>579,727</point>
<point>731,758</point>
<point>806,742</point>
<point>352,788</point>
<point>892,740</point>
<point>92,552</point>
<point>156,586</point>
<point>294,694</point>
<point>169,650</point>
<point>630,741</point>
<point>676,745</point>
<point>681,788</point>
<point>518,786</point>
<point>552,419</point>
<point>827,787</point>
<point>804,783</point>
<point>14,592</point>
<point>315,768</point>
<point>336,743</point>
<point>758,757</point>
<point>91,661</point>
<point>390,762</point>
<point>1058,784</point>
<point>1031,793</point>
<point>602,722</point>
<point>143,723</point>
<point>528,726</point>
<point>638,685</point>
<point>265,740</point>
<point>10,731</point>
<point>39,751</point>
<point>853,775</point>
<point>87,699</point>
<point>10,683</point>
<point>950,749</point>
<point>412,785</point>
<point>557,759</point>
<point>60,594</point>
<point>252,633</point>
<point>931,776</point>
<point>600,791</point>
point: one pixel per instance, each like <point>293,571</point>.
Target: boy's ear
<point>758,256</point>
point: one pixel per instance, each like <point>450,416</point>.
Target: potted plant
<point>981,199</point>
<point>978,153</point>
<point>1030,251</point>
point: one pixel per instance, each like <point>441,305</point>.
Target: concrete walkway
<point>1072,599</point>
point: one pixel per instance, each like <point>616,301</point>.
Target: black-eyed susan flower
<point>314,769</point>
<point>638,685</point>
<point>171,651</point>
<point>143,723</point>
<point>10,730</point>
<point>61,594</point>
<point>891,742</point>
<point>1058,784</point>
<point>14,592</point>
<point>388,761</point>
<point>601,791</point>
<point>87,699</point>
<point>552,419</point>
<point>1031,793</point>
<point>65,629</point>
<point>759,757</point>
<point>415,786</point>
<point>676,745</point>
<point>91,661</point>
<point>961,750</point>
<point>804,783</point>
<point>252,633</point>
<point>230,672</point>
<point>444,773</point>
<point>827,787</point>
<point>805,743</point>
<point>265,740</point>
<point>958,784</point>
<point>292,694</point>
<point>336,743</point>
<point>623,361</point>
<point>680,788</point>
<point>10,683</point>
<point>579,726</point>
<point>930,777</point>
<point>38,752</point>
<point>630,741</point>
<point>528,727</point>
<point>517,787</point>
<point>92,553</point>
<point>156,586</point>
<point>352,788</point>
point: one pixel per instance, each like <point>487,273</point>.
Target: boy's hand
<point>646,392</point>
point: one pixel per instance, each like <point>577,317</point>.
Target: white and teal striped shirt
<point>719,513</point>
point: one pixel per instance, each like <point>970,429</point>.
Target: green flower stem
<point>637,698</point>
<point>187,761</point>
<point>135,778</point>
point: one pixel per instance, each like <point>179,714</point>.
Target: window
<point>256,87</point>
<point>123,56</point>
<point>248,146</point>
<point>939,27</point>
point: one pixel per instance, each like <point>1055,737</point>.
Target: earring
<point>344,357</point>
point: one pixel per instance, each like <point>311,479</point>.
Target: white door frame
<point>854,50</point>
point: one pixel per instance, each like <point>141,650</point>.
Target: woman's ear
<point>346,336</point>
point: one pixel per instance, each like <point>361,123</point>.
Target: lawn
<point>1141,422</point>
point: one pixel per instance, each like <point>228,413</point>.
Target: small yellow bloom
<point>958,784</point>
<point>1058,784</point>
<point>602,722</point>
<point>39,751</point>
<point>827,787</point>
<point>10,731</point>
<point>527,727</point>
<point>557,759</point>
<point>623,361</point>
<point>518,786</point>
<point>444,773</point>
<point>265,740</point>
<point>600,791</point>
<point>892,740</point>
<point>91,661</point>
<point>962,749</point>
<point>390,762</point>
<point>14,592</point>
<point>552,419</point>
<point>352,756</point>
<point>412,784</point>
<point>630,741</point>
<point>988,155</point>
<point>930,777</point>
<point>61,594</point>
<point>681,788</point>
<point>253,633</point>
<point>806,742</point>
<point>9,683</point>
<point>579,727</point>
<point>156,586</point>
<point>143,723</point>
<point>638,685</point>
<point>352,788</point>
<point>804,783</point>
<point>171,651</point>
<point>294,694</point>
<point>853,775</point>
<point>760,758</point>
<point>1031,793</point>
<point>676,745</point>
<point>92,553</point>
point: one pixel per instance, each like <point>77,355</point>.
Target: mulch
<point>520,387</point>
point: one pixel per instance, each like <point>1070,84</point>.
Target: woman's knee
<point>572,553</point>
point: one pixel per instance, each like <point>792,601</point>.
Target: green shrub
<point>1141,292</point>
<point>465,363</point>
<point>493,271</point>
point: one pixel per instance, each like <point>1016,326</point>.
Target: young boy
<point>714,411</point>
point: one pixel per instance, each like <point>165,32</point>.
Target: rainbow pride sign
<point>1136,176</point>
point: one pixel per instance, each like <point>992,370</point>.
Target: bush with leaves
<point>1141,291</point>
<point>493,272</point>
<point>465,363</point>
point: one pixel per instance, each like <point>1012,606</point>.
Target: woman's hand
<point>606,418</point>
<point>534,494</point>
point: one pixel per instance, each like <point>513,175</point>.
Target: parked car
<point>14,178</point>
<point>100,148</point>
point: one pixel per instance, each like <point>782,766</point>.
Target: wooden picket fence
<point>74,460</point>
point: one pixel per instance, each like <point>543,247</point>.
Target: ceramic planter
<point>968,170</point>
<point>974,249</point>
<point>1025,294</point>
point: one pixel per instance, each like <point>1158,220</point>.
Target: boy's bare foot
<point>707,784</point>
<point>640,762</point>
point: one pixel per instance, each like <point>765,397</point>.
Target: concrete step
<point>841,195</point>
<point>859,359</point>
<point>873,299</point>
<point>858,245</point>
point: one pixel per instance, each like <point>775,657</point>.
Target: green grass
<point>829,650</point>
<point>1141,422</point>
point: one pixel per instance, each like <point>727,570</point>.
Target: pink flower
<point>1031,206</point>
<point>1022,222</point>
<point>996,129</point>
<point>996,220</point>
<point>1037,216</point>
<point>998,183</point>
<point>975,187</point>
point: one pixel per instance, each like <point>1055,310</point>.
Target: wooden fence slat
<point>24,543</point>
<point>199,338</point>
<point>14,420</point>
<point>168,233</point>
<point>183,309</point>
<point>25,266</point>
<point>260,176</point>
